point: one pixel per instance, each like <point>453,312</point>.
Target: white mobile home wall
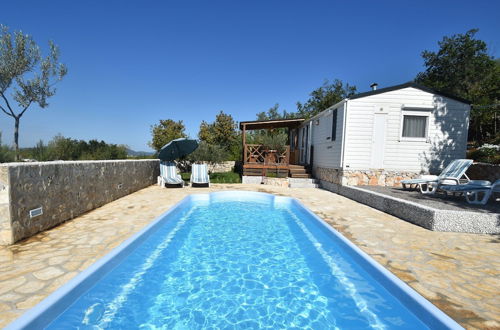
<point>447,131</point>
<point>327,150</point>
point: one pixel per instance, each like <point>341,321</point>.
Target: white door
<point>378,144</point>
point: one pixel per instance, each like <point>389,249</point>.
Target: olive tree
<point>26,77</point>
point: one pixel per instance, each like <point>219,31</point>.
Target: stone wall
<point>483,171</point>
<point>478,171</point>
<point>365,177</point>
<point>221,167</point>
<point>227,166</point>
<point>64,189</point>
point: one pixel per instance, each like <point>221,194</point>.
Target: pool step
<point>295,182</point>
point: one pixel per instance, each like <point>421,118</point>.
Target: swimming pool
<point>236,260</point>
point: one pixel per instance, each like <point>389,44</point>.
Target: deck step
<point>297,167</point>
<point>298,171</point>
<point>300,175</point>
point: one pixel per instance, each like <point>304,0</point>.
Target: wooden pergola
<point>257,160</point>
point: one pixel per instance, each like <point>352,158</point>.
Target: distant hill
<point>134,153</point>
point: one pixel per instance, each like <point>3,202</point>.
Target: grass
<point>226,177</point>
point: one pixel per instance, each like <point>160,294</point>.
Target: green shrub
<point>186,176</point>
<point>6,153</point>
<point>226,177</point>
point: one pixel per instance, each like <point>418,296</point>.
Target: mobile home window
<point>334,124</point>
<point>414,126</point>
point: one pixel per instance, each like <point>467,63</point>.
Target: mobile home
<point>385,135</point>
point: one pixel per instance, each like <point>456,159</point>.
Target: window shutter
<point>334,124</point>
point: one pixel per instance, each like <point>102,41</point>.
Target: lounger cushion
<point>421,179</point>
<point>168,172</point>
<point>199,173</point>
<point>470,186</point>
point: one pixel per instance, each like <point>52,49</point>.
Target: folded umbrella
<point>177,148</point>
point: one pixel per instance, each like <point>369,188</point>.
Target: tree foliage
<point>166,131</point>
<point>63,148</point>
<point>28,75</point>
<point>222,133</point>
<point>324,97</point>
<point>6,153</point>
<point>274,113</point>
<point>462,67</point>
<point>210,153</point>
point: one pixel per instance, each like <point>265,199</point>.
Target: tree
<point>324,97</point>
<point>208,153</point>
<point>462,67</point>
<point>274,113</point>
<point>223,133</point>
<point>206,133</point>
<point>166,131</point>
<point>27,74</point>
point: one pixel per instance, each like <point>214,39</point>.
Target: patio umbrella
<point>177,148</point>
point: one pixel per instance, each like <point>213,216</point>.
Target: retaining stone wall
<point>483,171</point>
<point>221,167</point>
<point>227,166</point>
<point>366,177</point>
<point>478,171</point>
<point>64,189</point>
<point>424,216</point>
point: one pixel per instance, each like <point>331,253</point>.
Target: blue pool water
<point>242,261</point>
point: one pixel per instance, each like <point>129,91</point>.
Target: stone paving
<point>457,272</point>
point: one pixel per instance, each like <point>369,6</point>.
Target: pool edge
<point>57,300</point>
<point>399,284</point>
<point>33,316</point>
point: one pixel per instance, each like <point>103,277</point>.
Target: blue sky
<point>132,63</point>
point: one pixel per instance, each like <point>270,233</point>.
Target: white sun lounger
<point>199,174</point>
<point>451,175</point>
<point>474,189</point>
<point>168,175</point>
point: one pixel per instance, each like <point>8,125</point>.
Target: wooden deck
<point>261,162</point>
<point>258,160</point>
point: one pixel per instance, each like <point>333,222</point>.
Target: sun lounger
<point>451,175</point>
<point>168,175</point>
<point>199,175</point>
<point>474,189</point>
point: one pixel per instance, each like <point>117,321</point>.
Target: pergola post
<point>244,141</point>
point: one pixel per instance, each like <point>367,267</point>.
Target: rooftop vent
<point>374,86</point>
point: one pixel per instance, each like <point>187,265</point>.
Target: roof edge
<point>288,120</point>
<point>336,105</point>
<point>406,85</point>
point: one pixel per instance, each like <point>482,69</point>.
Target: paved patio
<point>457,272</point>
